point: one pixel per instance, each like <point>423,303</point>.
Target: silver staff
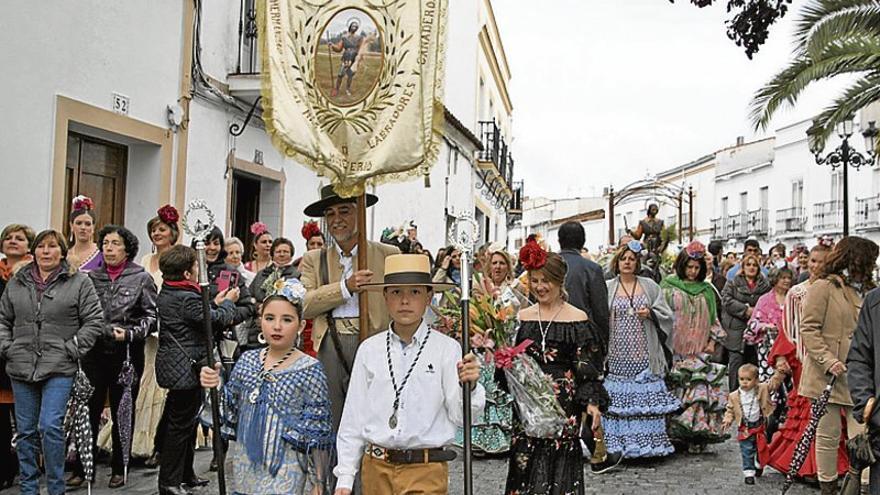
<point>463,237</point>
<point>198,221</point>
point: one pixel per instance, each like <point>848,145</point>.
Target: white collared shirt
<point>348,309</point>
<point>750,406</point>
<point>430,404</point>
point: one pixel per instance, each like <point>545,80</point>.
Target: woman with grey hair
<point>234,255</point>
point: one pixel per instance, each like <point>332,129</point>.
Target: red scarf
<point>760,441</point>
<point>185,285</point>
<point>115,271</point>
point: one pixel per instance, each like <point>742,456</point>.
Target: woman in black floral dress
<point>567,347</point>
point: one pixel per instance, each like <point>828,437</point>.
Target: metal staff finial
<point>464,237</point>
<point>198,219</point>
<point>464,233</point>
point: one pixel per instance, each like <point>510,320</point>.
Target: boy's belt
<point>411,456</point>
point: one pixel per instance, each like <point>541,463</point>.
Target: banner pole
<point>363,297</point>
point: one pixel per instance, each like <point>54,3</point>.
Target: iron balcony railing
<point>737,226</point>
<point>248,47</point>
<point>868,212</point>
<point>515,207</point>
<point>828,216</point>
<point>495,150</point>
<point>718,228</point>
<point>758,222</point>
<point>790,220</point>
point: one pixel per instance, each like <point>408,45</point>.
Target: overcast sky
<point>605,90</point>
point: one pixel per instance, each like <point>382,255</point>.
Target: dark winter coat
<point>736,298</point>
<point>587,291</point>
<point>129,303</point>
<point>43,338</point>
<point>5,384</point>
<point>863,365</point>
<point>182,342</point>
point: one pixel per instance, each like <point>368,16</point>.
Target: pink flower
<point>259,228</point>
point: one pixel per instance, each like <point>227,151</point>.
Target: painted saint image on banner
<point>349,57</point>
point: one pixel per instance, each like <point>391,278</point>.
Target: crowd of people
<point>645,360</point>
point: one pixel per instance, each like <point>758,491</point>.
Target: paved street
<point>714,472</point>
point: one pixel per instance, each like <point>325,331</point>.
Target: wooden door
<point>97,169</point>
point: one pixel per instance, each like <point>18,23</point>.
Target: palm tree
<point>832,38</point>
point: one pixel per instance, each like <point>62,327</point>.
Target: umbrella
<point>76,423</point>
<point>126,378</point>
<point>820,406</point>
<point>861,455</point>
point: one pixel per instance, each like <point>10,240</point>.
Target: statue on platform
<point>650,231</point>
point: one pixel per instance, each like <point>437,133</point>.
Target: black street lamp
<point>846,156</point>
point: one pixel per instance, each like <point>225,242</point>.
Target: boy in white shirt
<point>404,400</point>
<point>749,407</point>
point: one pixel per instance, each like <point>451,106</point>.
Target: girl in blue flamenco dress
<point>276,407</point>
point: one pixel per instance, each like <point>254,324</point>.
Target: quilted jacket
<point>182,339</point>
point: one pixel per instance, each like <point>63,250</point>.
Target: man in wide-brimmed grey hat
<point>333,280</point>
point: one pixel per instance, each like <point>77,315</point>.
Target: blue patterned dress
<point>281,427</point>
<point>635,424</point>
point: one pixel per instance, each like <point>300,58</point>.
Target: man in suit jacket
<point>584,280</point>
<point>332,301</point>
<point>585,285</point>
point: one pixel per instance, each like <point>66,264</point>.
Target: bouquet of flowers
<point>493,326</point>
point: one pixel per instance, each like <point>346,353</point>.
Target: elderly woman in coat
<point>128,296</point>
<point>50,316</point>
<point>829,321</point>
<point>738,301</point>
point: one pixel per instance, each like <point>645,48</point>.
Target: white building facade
<point>771,190</point>
<point>143,104</point>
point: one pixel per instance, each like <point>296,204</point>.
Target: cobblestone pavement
<point>715,472</point>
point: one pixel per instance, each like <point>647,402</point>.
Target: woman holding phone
<point>222,276</point>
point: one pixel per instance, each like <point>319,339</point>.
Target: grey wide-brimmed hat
<point>330,198</point>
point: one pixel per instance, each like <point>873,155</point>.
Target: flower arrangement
<point>493,327</point>
<point>82,202</point>
<point>168,214</point>
<point>259,228</point>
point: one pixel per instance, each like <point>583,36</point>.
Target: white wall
<point>85,50</point>
<point>460,94</point>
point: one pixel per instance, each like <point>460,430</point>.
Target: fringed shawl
<point>793,310</point>
<point>657,329</point>
<point>290,416</point>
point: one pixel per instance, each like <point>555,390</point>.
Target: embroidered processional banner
<point>351,88</point>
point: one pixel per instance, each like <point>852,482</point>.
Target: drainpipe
<point>184,101</point>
